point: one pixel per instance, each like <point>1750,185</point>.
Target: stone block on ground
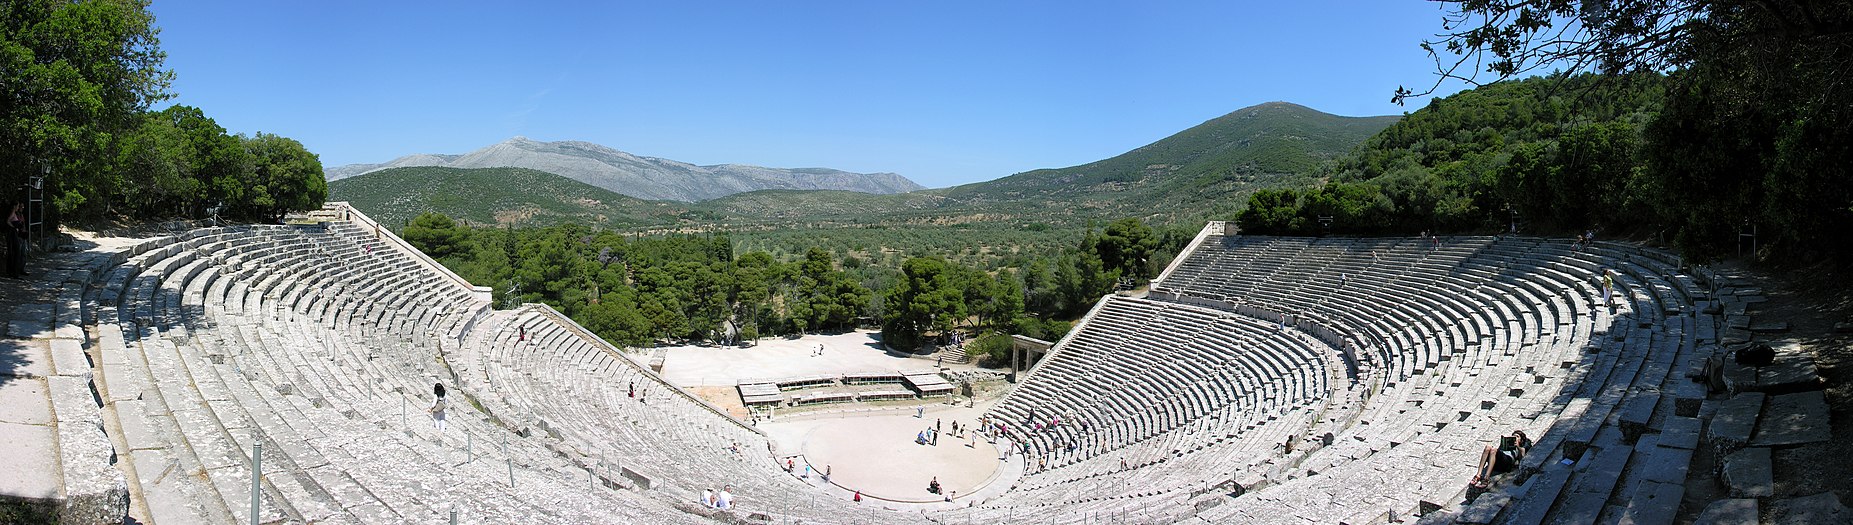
<point>1688,397</point>
<point>1654,503</point>
<point>1729,512</point>
<point>1596,475</point>
<point>1748,473</point>
<point>1792,371</point>
<point>67,357</point>
<point>24,358</point>
<point>1635,414</point>
<point>1540,496</point>
<point>1794,419</point>
<point>1818,508</point>
<point>24,401</point>
<point>30,320</point>
<point>1680,432</point>
<point>1736,419</point>
<point>68,331</point>
<point>1769,327</point>
<point>1484,508</point>
<point>94,490</point>
<point>29,468</point>
<point>1663,464</point>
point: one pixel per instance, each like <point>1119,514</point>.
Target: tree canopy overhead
<point>77,74</point>
<point>1513,38</point>
<point>77,82</point>
<point>1754,132</point>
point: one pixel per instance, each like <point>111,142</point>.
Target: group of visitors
<point>930,436</point>
<point>934,488</point>
<point>721,500</point>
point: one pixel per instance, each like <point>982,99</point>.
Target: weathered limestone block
<point>1748,473</point>
<point>94,490</point>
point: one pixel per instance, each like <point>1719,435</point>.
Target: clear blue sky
<point>944,93</point>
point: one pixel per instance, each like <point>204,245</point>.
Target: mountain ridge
<point>1204,171</point>
<point>642,177</point>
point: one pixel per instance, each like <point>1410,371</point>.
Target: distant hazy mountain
<point>497,196</point>
<point>341,172</point>
<point>648,178</point>
<point>1198,173</point>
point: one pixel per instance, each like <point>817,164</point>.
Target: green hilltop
<point>1252,147</point>
<point>498,196</point>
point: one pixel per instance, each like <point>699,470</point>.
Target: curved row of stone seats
<point>1465,343</point>
<point>1630,448</point>
<point>1159,476</point>
<point>1138,368</point>
<point>1170,392</point>
<point>193,387</point>
<point>532,367</point>
<point>1402,314</point>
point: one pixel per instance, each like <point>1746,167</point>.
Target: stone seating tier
<point>1322,379</point>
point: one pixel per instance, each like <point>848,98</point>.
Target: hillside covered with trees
<point>1743,125</point>
<point>1563,153</point>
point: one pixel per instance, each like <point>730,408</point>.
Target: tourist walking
<point>1608,288</point>
<point>437,406</point>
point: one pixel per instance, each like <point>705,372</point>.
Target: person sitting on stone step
<point>1504,459</point>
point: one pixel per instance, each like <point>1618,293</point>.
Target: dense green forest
<point>1702,121</point>
<point>1559,153</point>
<point>81,78</point>
<point>645,289</point>
<point>1642,154</point>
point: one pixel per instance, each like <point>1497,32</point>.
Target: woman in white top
<point>437,406</point>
